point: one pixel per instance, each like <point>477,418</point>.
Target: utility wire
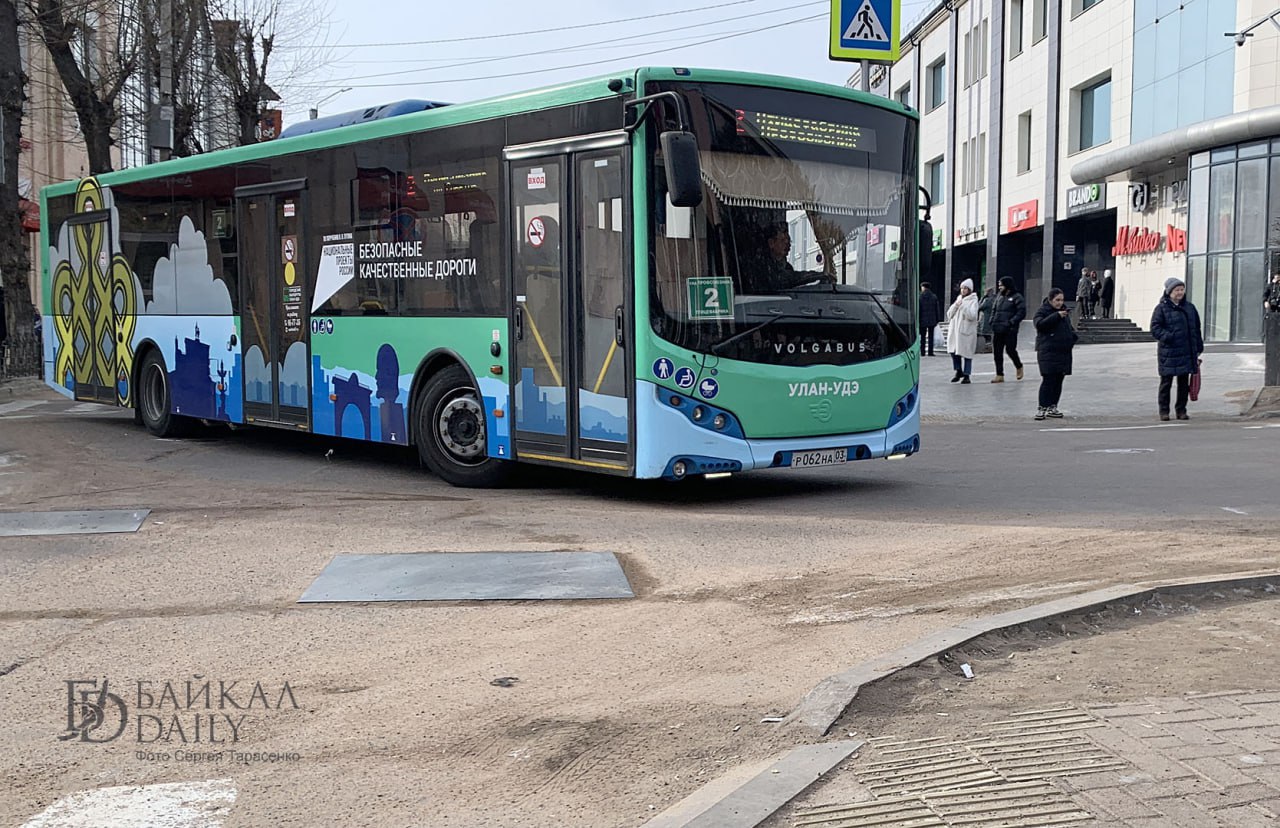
<point>541,52</point>
<point>543,31</point>
<point>598,62</point>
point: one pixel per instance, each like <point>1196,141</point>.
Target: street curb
<point>759,796</point>
<point>827,702</point>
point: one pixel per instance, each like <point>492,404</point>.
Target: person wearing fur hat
<point>962,332</point>
<point>1175,325</point>
<point>1006,317</point>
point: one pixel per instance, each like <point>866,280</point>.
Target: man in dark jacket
<point>930,316</point>
<point>1007,314</point>
<point>1175,324</point>
<point>1108,293</point>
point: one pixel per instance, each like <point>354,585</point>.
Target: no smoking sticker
<point>536,232</point>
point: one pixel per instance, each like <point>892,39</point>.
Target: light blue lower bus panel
<point>668,433</point>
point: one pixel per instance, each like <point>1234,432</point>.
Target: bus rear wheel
<point>155,402</point>
<point>451,434</point>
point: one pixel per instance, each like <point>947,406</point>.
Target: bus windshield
<point>803,249</point>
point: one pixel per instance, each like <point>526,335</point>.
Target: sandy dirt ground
<point>747,596</point>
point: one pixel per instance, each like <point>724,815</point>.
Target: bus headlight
<point>698,414</point>
<point>719,422</point>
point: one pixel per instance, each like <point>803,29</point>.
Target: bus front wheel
<point>155,401</point>
<point>451,434</point>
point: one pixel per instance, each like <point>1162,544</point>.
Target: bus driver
<point>773,273</point>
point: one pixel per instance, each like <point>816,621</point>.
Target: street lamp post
<point>315,110</point>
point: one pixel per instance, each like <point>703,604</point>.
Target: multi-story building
<point>1129,135</point>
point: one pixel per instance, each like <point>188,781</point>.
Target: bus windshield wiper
<point>906,340</point>
<point>724,343</point>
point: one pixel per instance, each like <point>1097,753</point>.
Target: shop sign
<point>1137,241</point>
<point>1024,215</point>
<point>1086,199</point>
<point>1140,196</point>
<point>938,243</point>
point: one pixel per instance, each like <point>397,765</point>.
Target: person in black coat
<point>930,316</point>
<point>1054,340</point>
<point>1108,293</point>
<point>1175,324</point>
<point>1007,313</point>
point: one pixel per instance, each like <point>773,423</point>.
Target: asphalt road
<point>749,591</point>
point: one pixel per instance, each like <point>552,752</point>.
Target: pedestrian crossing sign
<point>865,29</point>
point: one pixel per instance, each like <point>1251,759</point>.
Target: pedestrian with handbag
<point>1175,325</point>
<point>1054,340</point>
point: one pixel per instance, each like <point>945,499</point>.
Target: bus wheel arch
<point>145,347</point>
<point>449,424</point>
<point>153,396</point>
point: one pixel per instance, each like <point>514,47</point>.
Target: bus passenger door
<point>571,370</point>
<point>273,317</point>
<point>97,324</point>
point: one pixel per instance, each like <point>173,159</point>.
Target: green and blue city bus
<point>659,274</point>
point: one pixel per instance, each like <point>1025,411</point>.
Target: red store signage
<point>1136,241</point>
<point>1024,215</point>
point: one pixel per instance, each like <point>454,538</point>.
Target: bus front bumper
<point>671,445</point>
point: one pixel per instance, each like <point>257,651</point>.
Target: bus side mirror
<point>684,174</point>
<point>925,249</point>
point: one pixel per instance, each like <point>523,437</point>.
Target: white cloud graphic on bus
<point>184,282</point>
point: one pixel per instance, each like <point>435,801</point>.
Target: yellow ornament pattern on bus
<point>95,305</point>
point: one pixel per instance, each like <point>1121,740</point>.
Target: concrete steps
<point>1110,332</point>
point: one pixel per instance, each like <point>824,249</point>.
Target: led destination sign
<point>773,127</point>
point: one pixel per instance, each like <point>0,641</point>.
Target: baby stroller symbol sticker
<point>708,388</point>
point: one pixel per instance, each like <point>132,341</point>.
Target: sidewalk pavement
<point>1108,382</point>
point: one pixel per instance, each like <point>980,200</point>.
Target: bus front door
<point>571,324</point>
<point>273,318</point>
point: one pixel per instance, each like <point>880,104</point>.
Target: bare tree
<point>13,254</point>
<point>230,59</point>
<point>95,47</point>
<point>284,41</point>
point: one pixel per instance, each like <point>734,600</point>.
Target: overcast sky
<point>393,50</point>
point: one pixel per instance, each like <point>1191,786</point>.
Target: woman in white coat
<point>962,332</point>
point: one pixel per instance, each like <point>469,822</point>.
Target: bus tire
<point>451,433</point>
<point>155,401</point>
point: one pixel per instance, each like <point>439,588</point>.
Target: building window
<point>1039,20</point>
<point>975,53</point>
<point>937,84</point>
<point>1015,28</point>
<point>1084,5</point>
<point>903,95</point>
<point>1094,115</point>
<point>935,176</point>
<point>980,163</point>
<point>981,40</point>
<point>1024,142</point>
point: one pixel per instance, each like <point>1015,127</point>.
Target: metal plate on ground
<point>15,524</point>
<point>470,576</point>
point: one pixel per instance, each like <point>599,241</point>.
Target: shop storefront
<point>1085,238</point>
<point>1149,241</point>
<point>1206,212</point>
<point>1233,236</point>
<point>1020,254</point>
